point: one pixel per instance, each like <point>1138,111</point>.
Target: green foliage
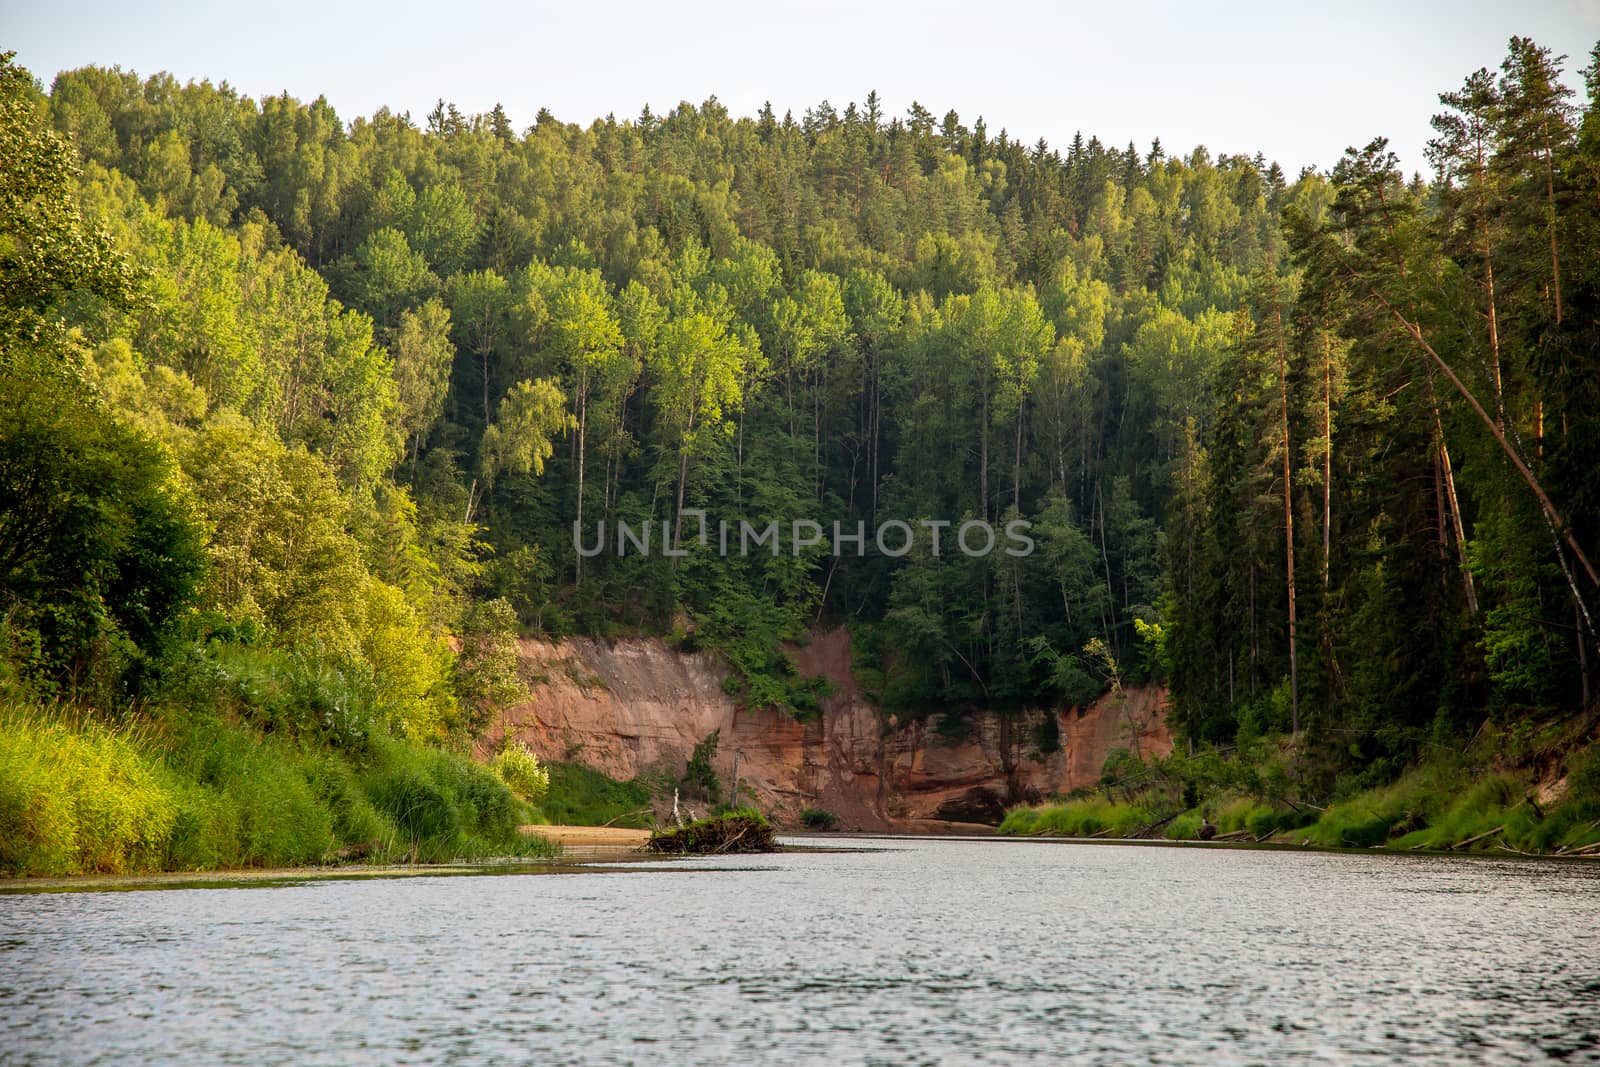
<point>818,819</point>
<point>1092,817</point>
<point>486,669</point>
<point>581,796</point>
<point>78,797</point>
<point>307,694</point>
<point>520,769</point>
<point>521,438</point>
<point>47,250</point>
<point>1185,827</point>
<point>1163,363</point>
<point>98,544</point>
<point>699,776</point>
<point>188,790</point>
<point>1047,734</point>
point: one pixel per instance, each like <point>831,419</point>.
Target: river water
<point>907,951</point>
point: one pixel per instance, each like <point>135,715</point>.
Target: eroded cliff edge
<point>636,706</point>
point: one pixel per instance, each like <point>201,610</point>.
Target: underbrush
<point>579,796</point>
<point>79,796</point>
<point>1445,807</point>
<point>1462,802</point>
<point>1088,817</point>
<point>818,819</point>
<point>200,790</point>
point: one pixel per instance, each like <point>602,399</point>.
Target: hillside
<point>311,425</point>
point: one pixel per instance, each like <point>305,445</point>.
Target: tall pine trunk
<point>1288,523</point>
<point>583,433</point>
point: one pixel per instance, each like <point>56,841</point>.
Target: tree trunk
<point>1488,285</point>
<point>583,433</point>
<point>1552,516</point>
<point>683,478</point>
<point>1450,506</point>
<point>1559,530</point>
<point>983,458</point>
<point>1455,517</point>
<point>1327,458</point>
<point>1016,470</point>
<point>1288,525</point>
<point>1550,217</point>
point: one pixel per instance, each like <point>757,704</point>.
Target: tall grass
<point>76,795</point>
<point>1448,804</point>
<point>579,796</point>
<point>199,790</point>
<point>1079,818</point>
<point>1444,807</point>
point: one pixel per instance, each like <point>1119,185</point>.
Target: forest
<point>300,415</point>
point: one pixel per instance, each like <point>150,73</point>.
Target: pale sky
<point>1297,83</point>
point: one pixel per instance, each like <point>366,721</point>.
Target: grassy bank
<point>159,790</point>
<point>1494,797</point>
<point>579,796</point>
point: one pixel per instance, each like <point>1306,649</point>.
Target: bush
<point>818,819</point>
<point>248,800</point>
<point>443,805</point>
<point>1258,819</point>
<point>699,776</point>
<point>1185,827</point>
<point>101,551</point>
<point>520,769</point>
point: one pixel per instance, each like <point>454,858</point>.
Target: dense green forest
<point>297,405</point>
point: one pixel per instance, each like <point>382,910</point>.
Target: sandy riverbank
<point>590,836</point>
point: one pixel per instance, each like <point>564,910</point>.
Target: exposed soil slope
<point>636,706</point>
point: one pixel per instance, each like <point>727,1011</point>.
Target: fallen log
<point>1473,840</point>
<point>1158,824</point>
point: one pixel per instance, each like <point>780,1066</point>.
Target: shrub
<point>255,805</point>
<point>520,769</point>
<point>699,776</point>
<point>1185,827</point>
<point>190,789</point>
<point>818,819</point>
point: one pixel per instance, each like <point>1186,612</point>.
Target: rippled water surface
<point>915,952</point>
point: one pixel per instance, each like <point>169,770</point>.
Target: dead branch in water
<point>736,832</point>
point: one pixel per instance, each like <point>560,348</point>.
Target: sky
<point>1298,82</point>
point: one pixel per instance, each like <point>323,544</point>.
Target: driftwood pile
<point>737,831</point>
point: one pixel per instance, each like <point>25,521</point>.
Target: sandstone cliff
<point>636,706</point>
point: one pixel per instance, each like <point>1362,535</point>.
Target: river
<point>887,950</point>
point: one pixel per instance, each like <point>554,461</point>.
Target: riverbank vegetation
<point>1517,791</point>
<point>208,655</point>
<point>299,411</point>
<point>582,796</point>
<point>168,789</point>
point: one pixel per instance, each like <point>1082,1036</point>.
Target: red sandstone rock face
<point>636,706</point>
